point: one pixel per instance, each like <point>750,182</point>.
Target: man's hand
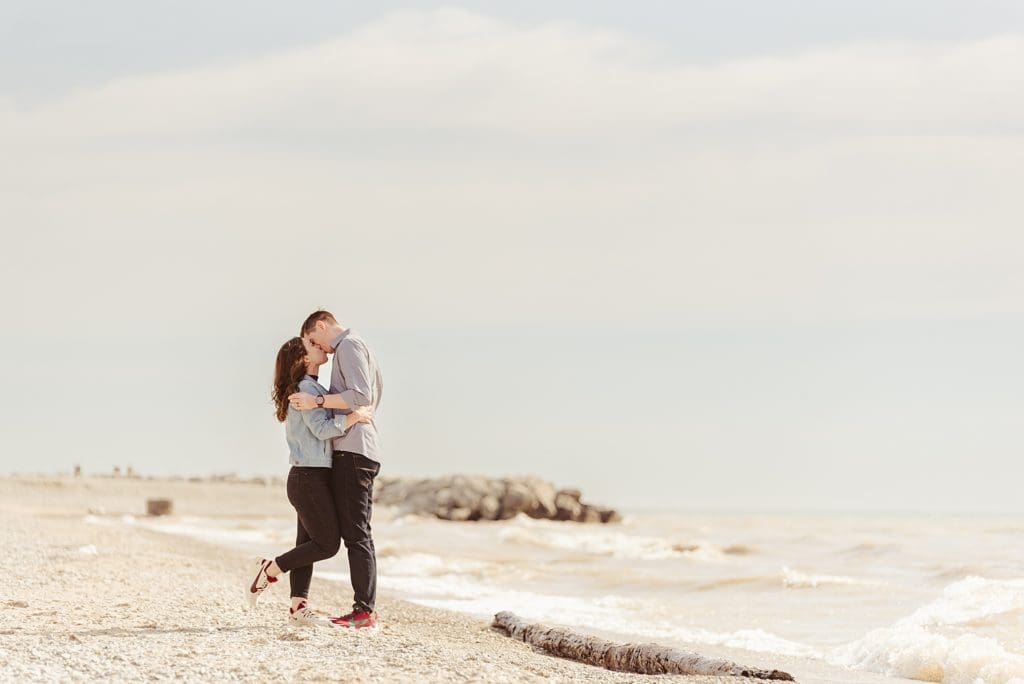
<point>302,401</point>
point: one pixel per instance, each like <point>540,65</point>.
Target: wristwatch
<point>320,400</point>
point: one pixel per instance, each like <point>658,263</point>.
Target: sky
<point>714,255</point>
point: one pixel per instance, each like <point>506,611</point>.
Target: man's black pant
<point>352,478</point>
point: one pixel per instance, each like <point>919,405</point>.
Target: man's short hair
<point>310,324</point>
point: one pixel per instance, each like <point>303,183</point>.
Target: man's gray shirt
<point>356,377</point>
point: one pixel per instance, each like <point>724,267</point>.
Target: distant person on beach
<point>356,384</point>
<point>310,489</point>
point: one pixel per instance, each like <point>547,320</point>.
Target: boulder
<point>517,498</point>
<point>465,497</point>
<point>544,499</point>
<point>457,514</point>
<point>489,507</point>
<point>567,508</point>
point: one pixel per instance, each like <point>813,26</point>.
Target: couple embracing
<point>334,453</point>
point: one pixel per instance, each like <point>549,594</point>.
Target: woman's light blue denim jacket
<point>309,433</point>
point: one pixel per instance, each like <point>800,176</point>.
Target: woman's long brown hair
<point>289,369</point>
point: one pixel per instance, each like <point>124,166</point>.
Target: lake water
<point>929,598</point>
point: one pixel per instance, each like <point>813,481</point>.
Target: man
<point>355,382</point>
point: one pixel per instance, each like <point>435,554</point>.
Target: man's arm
<point>355,366</point>
<point>307,402</point>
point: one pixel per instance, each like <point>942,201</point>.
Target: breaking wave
<point>932,644</point>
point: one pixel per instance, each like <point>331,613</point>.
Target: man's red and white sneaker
<point>260,582</point>
<point>357,619</point>
<point>303,616</point>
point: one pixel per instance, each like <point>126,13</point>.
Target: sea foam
<point>603,542</point>
<point>792,579</point>
<point>920,645</point>
<point>917,653</point>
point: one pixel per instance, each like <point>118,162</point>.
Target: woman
<point>309,435</point>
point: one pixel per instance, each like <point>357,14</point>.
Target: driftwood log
<point>637,658</point>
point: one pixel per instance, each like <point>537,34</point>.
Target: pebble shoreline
<point>109,601</point>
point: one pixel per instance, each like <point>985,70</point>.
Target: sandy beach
<point>87,600</point>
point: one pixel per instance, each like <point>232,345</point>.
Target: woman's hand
<point>363,414</point>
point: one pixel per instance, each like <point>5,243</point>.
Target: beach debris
<point>159,506</point>
<point>78,471</point>
<point>739,550</point>
<point>88,550</point>
<point>635,658</point>
<point>466,497</point>
<point>685,548</point>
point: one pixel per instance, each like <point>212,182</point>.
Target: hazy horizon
<point>700,255</point>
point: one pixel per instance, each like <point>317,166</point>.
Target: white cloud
<point>454,69</point>
<point>547,172</point>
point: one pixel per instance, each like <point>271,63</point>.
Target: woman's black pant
<point>318,536</point>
